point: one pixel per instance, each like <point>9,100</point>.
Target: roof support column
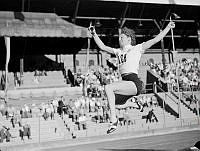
<point>162,46</point>
<point>21,69</point>
<point>75,12</point>
<point>98,59</point>
<point>7,43</point>
<point>23,1</point>
<point>123,19</point>
<point>74,62</point>
<point>88,55</point>
<point>198,34</point>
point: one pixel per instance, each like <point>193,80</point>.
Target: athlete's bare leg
<point>121,87</point>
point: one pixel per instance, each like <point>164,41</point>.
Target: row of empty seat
<point>51,79</point>
<point>32,80</point>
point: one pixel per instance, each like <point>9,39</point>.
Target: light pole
<point>162,45</point>
<point>39,139</point>
<point>198,111</point>
<point>175,16</point>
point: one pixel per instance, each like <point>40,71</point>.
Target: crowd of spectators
<point>94,80</point>
<point>14,116</point>
<point>186,71</point>
<point>80,110</point>
<point>185,74</point>
<point>94,99</point>
<point>38,74</point>
<point>96,109</point>
<point>147,102</point>
<point>92,106</point>
<point>191,101</point>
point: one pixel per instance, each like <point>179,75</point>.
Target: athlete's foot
<point>112,127</point>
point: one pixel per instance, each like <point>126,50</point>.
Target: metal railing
<point>155,86</point>
<point>197,106</point>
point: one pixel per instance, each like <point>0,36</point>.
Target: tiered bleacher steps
<point>11,84</point>
<point>5,122</point>
<point>165,118</point>
<point>10,80</point>
<point>52,79</point>
<point>170,102</point>
<point>41,130</point>
<point>189,102</point>
<point>56,129</point>
<point>186,114</point>
<point>69,127</point>
<point>43,92</point>
<point>66,134</point>
<point>139,124</point>
<point>190,105</point>
<point>142,74</point>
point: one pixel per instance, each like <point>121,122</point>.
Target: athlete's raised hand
<point>98,41</point>
<point>92,29</point>
<point>171,24</point>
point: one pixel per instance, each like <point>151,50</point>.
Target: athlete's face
<point>124,40</point>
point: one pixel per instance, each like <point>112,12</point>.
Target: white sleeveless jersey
<point>129,58</point>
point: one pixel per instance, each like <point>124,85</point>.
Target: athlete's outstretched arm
<point>98,41</point>
<point>160,36</point>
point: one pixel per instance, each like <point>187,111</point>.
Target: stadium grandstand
<point>53,75</point>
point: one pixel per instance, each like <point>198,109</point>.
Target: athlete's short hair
<point>130,33</point>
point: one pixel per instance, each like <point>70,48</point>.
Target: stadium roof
<point>27,24</point>
<point>176,2</point>
<point>144,16</point>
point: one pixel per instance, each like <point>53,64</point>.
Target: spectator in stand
<point>45,115</point>
<point>51,108</point>
<point>19,119</point>
<point>60,106</point>
<point>27,130</point>
<point>55,104</point>
<point>2,134</point>
<point>149,101</point>
<point>143,102</point>
<point>154,101</point>
<point>21,133</point>
<point>120,116</point>
<point>8,135</point>
<point>127,119</point>
<point>2,109</point>
<point>5,134</point>
<point>151,117</point>
<point>82,121</point>
<point>71,78</point>
<point>12,120</point>
<point>36,77</point>
<point>3,81</point>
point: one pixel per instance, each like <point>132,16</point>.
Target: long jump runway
<point>166,142</point>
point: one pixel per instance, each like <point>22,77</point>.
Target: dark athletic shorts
<point>121,99</point>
